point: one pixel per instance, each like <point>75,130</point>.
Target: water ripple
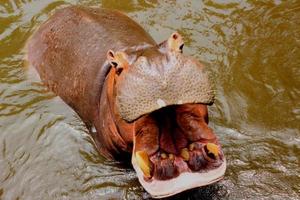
<point>251,47</point>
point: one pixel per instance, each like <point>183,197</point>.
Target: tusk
<point>213,148</point>
<point>143,162</point>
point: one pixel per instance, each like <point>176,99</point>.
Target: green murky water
<point>252,47</point>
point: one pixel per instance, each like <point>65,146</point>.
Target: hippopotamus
<point>144,100</point>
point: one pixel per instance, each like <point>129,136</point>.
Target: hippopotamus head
<point>161,95</point>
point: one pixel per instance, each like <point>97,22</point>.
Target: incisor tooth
<point>163,155</point>
<point>191,147</point>
<point>212,148</point>
<point>185,154</point>
<point>143,161</point>
<point>171,156</point>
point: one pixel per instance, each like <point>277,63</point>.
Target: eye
<point>119,70</point>
<point>118,60</point>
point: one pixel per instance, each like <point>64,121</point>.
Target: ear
<point>175,42</point>
<point>117,60</point>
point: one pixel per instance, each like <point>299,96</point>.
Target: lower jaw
<point>185,180</point>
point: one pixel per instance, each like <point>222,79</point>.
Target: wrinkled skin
<point>172,147</point>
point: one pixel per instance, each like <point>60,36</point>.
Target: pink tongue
<point>171,138</point>
<point>166,141</point>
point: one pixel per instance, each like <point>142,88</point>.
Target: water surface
<point>251,47</point>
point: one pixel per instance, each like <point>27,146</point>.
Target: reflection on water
<point>251,47</point>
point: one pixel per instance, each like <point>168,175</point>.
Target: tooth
<point>171,156</point>
<point>161,103</point>
<point>191,147</point>
<point>185,154</point>
<point>212,148</point>
<point>143,162</point>
<point>163,155</point>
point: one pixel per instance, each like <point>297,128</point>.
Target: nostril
<point>181,47</point>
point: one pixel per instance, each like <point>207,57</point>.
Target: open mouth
<point>175,150</point>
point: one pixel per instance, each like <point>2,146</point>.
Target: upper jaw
<point>149,85</point>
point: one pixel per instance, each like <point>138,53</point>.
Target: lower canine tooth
<point>143,161</point>
<point>185,154</point>
<point>212,148</point>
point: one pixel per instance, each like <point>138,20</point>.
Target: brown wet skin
<point>84,55</point>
